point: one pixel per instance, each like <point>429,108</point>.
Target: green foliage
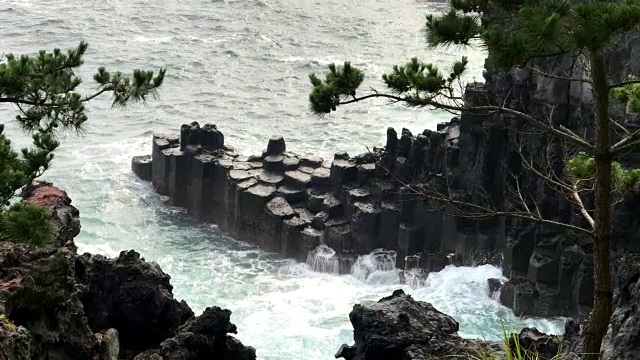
<point>419,83</point>
<point>43,89</point>
<point>582,169</point>
<point>339,83</point>
<point>6,323</point>
<point>26,223</point>
<point>628,94</point>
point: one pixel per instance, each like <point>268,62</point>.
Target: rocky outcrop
<point>291,204</point>
<point>400,328</point>
<point>132,296</point>
<point>39,294</point>
<point>65,217</point>
<point>622,341</point>
<point>56,304</point>
<point>203,337</point>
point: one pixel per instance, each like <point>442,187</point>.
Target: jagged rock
<point>203,337</point>
<point>15,341</point>
<point>399,327</point>
<point>276,145</point>
<point>622,341</point>
<point>494,286</point>
<point>319,220</point>
<point>132,296</point>
<point>41,294</point>
<point>304,214</point>
<point>546,347</point>
<point>65,216</point>
<point>279,207</point>
<point>142,167</point>
<point>518,294</point>
<point>332,206</point>
<point>108,344</point>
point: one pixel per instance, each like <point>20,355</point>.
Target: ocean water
<point>243,65</point>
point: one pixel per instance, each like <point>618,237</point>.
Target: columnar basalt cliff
<point>350,205</point>
<point>293,204</point>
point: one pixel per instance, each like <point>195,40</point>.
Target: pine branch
<point>551,76</point>
<point>623,84</point>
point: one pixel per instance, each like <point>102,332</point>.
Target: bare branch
<point>625,143</point>
<point>581,207</point>
<point>551,76</point>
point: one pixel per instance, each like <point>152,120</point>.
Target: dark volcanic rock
<point>494,286</point>
<point>39,291</point>
<point>132,296</point>
<point>622,341</point>
<point>203,337</point>
<point>399,327</point>
<point>142,167</point>
<point>276,145</point>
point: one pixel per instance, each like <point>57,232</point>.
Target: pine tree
<point>43,89</point>
<point>515,33</point>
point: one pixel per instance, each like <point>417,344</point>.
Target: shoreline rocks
<point>58,305</point>
<point>399,327</point>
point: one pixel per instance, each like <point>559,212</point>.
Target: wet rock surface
<point>203,337</point>
<point>58,305</point>
<point>399,327</point>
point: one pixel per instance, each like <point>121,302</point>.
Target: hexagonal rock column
<point>277,210</point>
<point>364,224</point>
<point>251,214</point>
<point>142,167</point>
<point>160,171</point>
<point>276,145</point>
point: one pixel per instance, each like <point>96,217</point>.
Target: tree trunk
<point>598,322</point>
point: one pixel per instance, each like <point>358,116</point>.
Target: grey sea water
<point>242,65</point>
